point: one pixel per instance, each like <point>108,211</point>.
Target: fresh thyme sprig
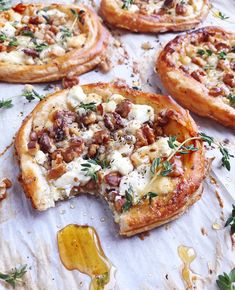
<point>90,170</point>
<point>6,104</point>
<point>231,221</point>
<point>151,195</point>
<point>226,281</point>
<point>89,106</point>
<point>15,276</point>
<point>31,95</point>
<point>5,5</point>
<point>126,3</point>
<point>129,199</point>
<point>231,98</point>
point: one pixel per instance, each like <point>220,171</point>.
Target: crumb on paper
<point>102,219</point>
<point>28,88</point>
<point>143,235</point>
<point>72,206</point>
<point>62,211</point>
<point>167,227</point>
<point>146,45</point>
<point>5,183</point>
<point>216,226</point>
<point>204,231</point>
<point>221,203</point>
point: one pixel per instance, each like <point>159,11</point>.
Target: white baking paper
<point>29,237</point>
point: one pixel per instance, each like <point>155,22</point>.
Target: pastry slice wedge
<point>198,70</point>
<point>154,16</point>
<point>41,43</point>
<point>139,151</point>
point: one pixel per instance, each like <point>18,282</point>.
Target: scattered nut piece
<point>146,45</point>
<point>204,232</point>
<point>4,184</point>
<point>216,226</point>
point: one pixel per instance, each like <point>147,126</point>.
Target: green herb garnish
<point>222,55</point>
<point>13,42</point>
<point>31,95</point>
<point>89,106</point>
<point>126,4</point>
<point>6,104</point>
<point>65,33</point>
<point>166,168</point>
<point>129,199</point>
<point>151,195</point>
<point>3,36</point>
<point>231,221</point>
<point>15,276</point>
<point>231,98</point>
<point>156,162</point>
<point>226,282</point>
<point>90,170</point>
<point>222,16</point>
<point>40,47</point>
<point>202,52</point>
<point>26,32</point>
<point>5,5</point>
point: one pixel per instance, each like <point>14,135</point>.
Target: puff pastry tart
<point>198,69</point>
<point>40,43</point>
<point>154,16</point>
<point>103,139</point>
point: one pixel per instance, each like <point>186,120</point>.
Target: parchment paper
<point>29,237</point>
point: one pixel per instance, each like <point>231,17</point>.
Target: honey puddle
<point>188,255</point>
<point>80,249</point>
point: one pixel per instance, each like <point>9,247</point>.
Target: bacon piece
<point>31,52</point>
<point>36,20</point>
<point>56,172</point>
<point>197,75</point>
<point>123,108</point>
<point>113,178</point>
<point>19,8</point>
<point>92,150</point>
<point>101,137</point>
<point>74,150</point>
<point>222,46</point>
<point>70,81</point>
<point>148,133</point>
<point>229,80</point>
<point>180,9</point>
<point>44,142</point>
<point>215,92</point>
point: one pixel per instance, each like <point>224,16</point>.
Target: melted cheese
<point>146,154</point>
<point>136,180</point>
<point>74,175</point>
<point>141,113</point>
<point>120,163</point>
<point>76,96</point>
<point>15,57</point>
<point>8,29</point>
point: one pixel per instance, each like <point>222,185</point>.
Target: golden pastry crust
<point>198,69</point>
<point>49,42</point>
<point>185,188</point>
<point>171,16</point>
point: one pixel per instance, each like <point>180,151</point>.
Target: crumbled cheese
<point>132,126</point>
<point>8,29</point>
<point>133,8</point>
<point>51,12</point>
<point>93,97</point>
<point>120,163</point>
<point>146,154</point>
<point>136,180</point>
<point>109,107</point>
<point>16,57</point>
<point>142,113</point>
<point>40,157</point>
<point>76,41</point>
<point>116,98</point>
<point>76,96</point>
<point>164,185</point>
<point>74,175</point>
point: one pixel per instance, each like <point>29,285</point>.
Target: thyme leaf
<point>6,104</point>
<point>15,276</point>
<point>226,281</point>
<point>126,4</point>
<point>231,221</point>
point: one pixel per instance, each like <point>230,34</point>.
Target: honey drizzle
<point>187,255</point>
<point>80,249</point>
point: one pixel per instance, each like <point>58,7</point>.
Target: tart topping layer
<point>208,57</point>
<point>31,34</point>
<point>168,8</point>
<point>111,146</point>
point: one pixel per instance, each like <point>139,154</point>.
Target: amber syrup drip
<point>80,249</point>
<point>187,256</point>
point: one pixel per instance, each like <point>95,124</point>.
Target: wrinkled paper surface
<point>29,237</point>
